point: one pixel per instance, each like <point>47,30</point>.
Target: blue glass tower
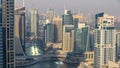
<point>49,33</point>
<point>82,39</point>
<point>7,51</point>
<point>67,18</point>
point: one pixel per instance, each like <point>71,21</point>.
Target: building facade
<point>58,29</point>
<point>82,39</point>
<point>105,40</point>
<point>68,38</point>
<point>34,20</point>
<point>67,18</point>
<point>49,33</point>
<point>19,32</point>
<point>77,18</point>
<point>7,47</point>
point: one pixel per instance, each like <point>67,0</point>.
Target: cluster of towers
<point>75,35</point>
<point>68,30</point>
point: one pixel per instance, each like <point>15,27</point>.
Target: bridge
<point>22,62</point>
<point>53,55</point>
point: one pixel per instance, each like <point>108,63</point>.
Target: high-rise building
<point>34,17</point>
<point>58,29</point>
<point>49,33</point>
<point>105,40</point>
<point>19,31</point>
<point>7,47</point>
<point>82,39</point>
<point>68,38</point>
<point>77,19</point>
<point>67,18</point>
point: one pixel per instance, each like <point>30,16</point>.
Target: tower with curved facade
<point>19,31</point>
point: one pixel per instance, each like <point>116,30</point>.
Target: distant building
<point>67,18</point>
<point>58,32</point>
<point>68,38</point>
<point>105,40</point>
<point>50,14</point>
<point>49,33</point>
<point>34,20</point>
<point>82,39</point>
<point>77,19</point>
<point>89,57</point>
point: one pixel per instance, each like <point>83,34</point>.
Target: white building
<point>105,40</point>
<point>34,20</point>
<point>68,38</point>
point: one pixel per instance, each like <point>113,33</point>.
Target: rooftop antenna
<point>64,7</point>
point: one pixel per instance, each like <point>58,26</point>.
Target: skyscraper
<point>68,38</point>
<point>67,18</point>
<point>7,48</point>
<point>19,31</point>
<point>49,33</point>
<point>105,40</point>
<point>68,32</point>
<point>77,19</point>
<point>82,38</point>
<point>34,17</point>
<point>58,29</point>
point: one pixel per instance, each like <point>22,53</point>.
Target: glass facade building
<point>49,32</point>
<point>67,18</point>
<point>81,39</point>
<point>7,48</point>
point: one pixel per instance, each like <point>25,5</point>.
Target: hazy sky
<point>111,7</point>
